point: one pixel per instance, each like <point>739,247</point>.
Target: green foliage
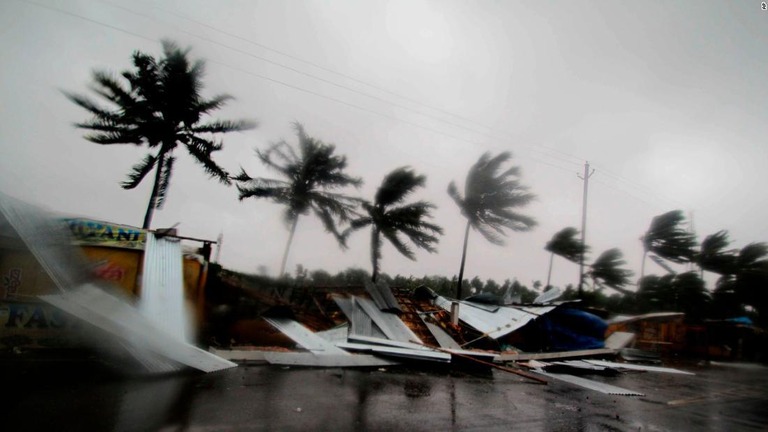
<point>565,244</point>
<point>491,197</point>
<point>311,176</point>
<point>158,104</point>
<point>683,292</point>
<point>390,217</point>
<point>607,271</point>
<point>713,255</point>
<point>667,238</point>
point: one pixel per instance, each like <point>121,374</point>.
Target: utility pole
<point>218,247</point>
<point>587,175</point>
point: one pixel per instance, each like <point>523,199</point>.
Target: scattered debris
<point>638,367</point>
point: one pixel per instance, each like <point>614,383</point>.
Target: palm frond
<point>607,269</point>
<point>397,185</point>
<point>490,197</point>
<point>566,244</point>
<point>223,126</point>
<point>401,247</point>
<point>165,180</point>
<point>201,149</point>
<point>139,171</point>
<point>330,225</point>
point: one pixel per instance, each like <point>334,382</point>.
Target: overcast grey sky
<point>666,100</point>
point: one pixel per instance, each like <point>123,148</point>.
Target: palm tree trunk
<point>549,273</point>
<point>642,267</point>
<point>463,260</point>
<point>288,246</point>
<point>375,253</point>
<point>155,189</point>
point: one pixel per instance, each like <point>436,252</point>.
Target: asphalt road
<point>55,396</point>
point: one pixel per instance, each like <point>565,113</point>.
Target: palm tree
<point>489,202</point>
<point>713,255</point>
<point>565,244</point>
<point>388,216</point>
<point>310,177</point>
<point>668,239</point>
<point>607,271</point>
<point>158,105</point>
<point>751,279</point>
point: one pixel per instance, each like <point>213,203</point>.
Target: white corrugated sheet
<point>109,313</point>
<point>497,321</point>
<point>162,286</point>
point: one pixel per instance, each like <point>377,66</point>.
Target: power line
<point>569,159</point>
<point>386,101</point>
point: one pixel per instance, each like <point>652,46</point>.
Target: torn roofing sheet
<point>443,339</point>
<point>359,321</point>
<point>336,334</point>
<point>498,323</point>
<point>618,340</point>
<point>592,385</point>
<point>304,337</point>
<point>325,360</point>
<point>162,286</point>
<point>418,354</point>
<point>638,367</point>
<point>367,320</point>
<point>419,347</point>
<point>382,296</point>
<point>115,316</point>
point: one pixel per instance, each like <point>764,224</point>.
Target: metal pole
<point>587,175</point>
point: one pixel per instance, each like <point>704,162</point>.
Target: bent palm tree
<point>713,255</point>
<point>565,244</point>
<point>159,105</point>
<point>311,175</point>
<point>489,202</point>
<point>388,216</point>
<point>668,239</point>
<point>607,271</point>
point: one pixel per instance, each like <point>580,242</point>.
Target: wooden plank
<point>503,357</point>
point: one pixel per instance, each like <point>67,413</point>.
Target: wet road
<point>84,397</point>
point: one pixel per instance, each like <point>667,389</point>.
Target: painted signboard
<point>95,233</point>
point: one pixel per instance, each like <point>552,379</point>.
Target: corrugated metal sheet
<point>326,360</point>
<point>392,326</point>
<point>417,354</point>
<point>443,339</point>
<point>116,317</point>
<point>548,296</point>
<point>162,286</point>
<point>503,321</point>
<point>48,240</point>
<point>382,295</point>
<point>336,334</point>
<point>592,385</point>
<point>304,337</point>
<point>618,340</point>
<point>638,367</point>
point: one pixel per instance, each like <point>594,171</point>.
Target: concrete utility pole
<point>587,175</point>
